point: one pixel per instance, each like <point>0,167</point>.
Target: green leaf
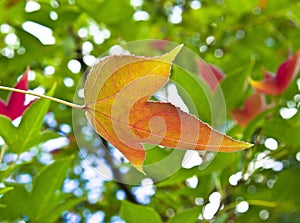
<point>7,131</point>
<point>137,213</point>
<point>256,123</point>
<point>194,93</point>
<point>33,48</point>
<point>41,16</point>
<point>188,216</point>
<point>43,137</point>
<point>28,133</point>
<point>291,217</point>
<point>40,203</point>
<point>287,189</point>
<point>7,12</point>
<point>53,214</point>
<point>43,193</point>
<point>32,122</point>
<point>162,162</point>
<point>284,130</point>
<point>234,88</point>
<point>108,12</point>
<point>16,203</point>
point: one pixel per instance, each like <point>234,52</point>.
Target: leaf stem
<point>262,203</point>
<point>44,96</point>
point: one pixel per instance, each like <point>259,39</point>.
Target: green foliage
<point>28,133</point>
<point>284,129</point>
<point>195,97</point>
<point>248,36</point>
<point>136,213</point>
<point>36,203</point>
<point>189,215</point>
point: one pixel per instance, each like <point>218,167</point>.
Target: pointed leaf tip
<point>247,145</point>
<point>15,106</point>
<point>232,145</point>
<point>177,49</point>
<point>140,169</point>
<point>170,56</point>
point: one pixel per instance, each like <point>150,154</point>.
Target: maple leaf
<point>275,85</point>
<point>254,105</point>
<point>210,73</point>
<point>16,102</point>
<point>117,90</point>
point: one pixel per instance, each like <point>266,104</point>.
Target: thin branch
<point>44,96</point>
<point>117,175</point>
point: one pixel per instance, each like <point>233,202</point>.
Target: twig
<point>117,175</point>
<point>43,96</point>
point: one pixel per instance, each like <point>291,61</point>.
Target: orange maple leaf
<point>117,106</point>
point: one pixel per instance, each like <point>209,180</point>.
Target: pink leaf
<point>16,103</point>
<point>210,73</point>
<point>254,105</point>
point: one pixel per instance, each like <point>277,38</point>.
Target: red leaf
<point>210,73</point>
<point>16,101</point>
<point>254,105</point>
<point>275,85</point>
